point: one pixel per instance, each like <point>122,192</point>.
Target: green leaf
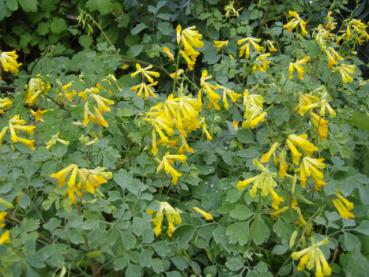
<point>183,235</point>
<point>241,212</point>
<point>12,5</point>
<point>85,41</point>
<point>238,232</point>
<point>28,5</point>
<point>235,263</point>
<point>138,28</point>
<point>128,239</point>
<point>363,228</point>
<point>4,11</point>
<point>42,28</point>
<point>58,25</point>
<point>360,120</point>
<point>351,242</point>
<point>259,230</point>
<point>102,6</point>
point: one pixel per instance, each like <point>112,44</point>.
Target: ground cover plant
<point>184,138</point>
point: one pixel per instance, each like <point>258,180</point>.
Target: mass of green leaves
<point>111,233</point>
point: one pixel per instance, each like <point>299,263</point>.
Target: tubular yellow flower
<point>333,56</point>
<point>38,114</point>
<point>355,30</point>
<point>230,10</point>
<point>102,103</point>
<point>302,142</point>
<point>5,104</point>
<point>210,90</point>
<point>2,134</point>
<point>330,24</point>
<point>283,166</point>
<point>219,44</point>
<point>311,167</point>
<point>295,22</point>
<point>9,62</point>
<point>5,238</point>
<point>168,53</point>
<point>144,90</point>
<point>206,215</point>
<point>54,139</point>
<point>320,124</point>
<point>270,46</point>
<point>307,102</point>
<point>177,74</point>
<point>313,257</point>
<point>244,45</point>
<point>36,86</point>
<point>266,156</point>
<point>298,66</point>
<point>166,165</point>
<point>254,113</point>
<point>65,92</point>
<point>234,96</point>
<point>16,123</point>
<point>343,206</point>
<point>347,71</point>
<point>261,63</point>
<point>172,216</point>
<point>146,73</point>
<point>2,219</point>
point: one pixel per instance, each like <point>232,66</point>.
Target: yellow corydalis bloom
<point>36,86</point>
<point>295,22</point>
<point>5,238</point>
<point>347,71</point>
<point>355,30</point>
<point>2,219</point>
<point>81,180</point>
<point>283,166</point>
<point>219,44</point>
<point>177,74</point>
<point>230,10</point>
<point>15,124</point>
<point>270,45</point>
<point>168,53</point>
<point>254,112</point>
<point>319,98</point>
<point>144,90</point>
<point>343,206</point>
<point>227,93</point>
<point>172,216</point>
<point>296,142</point>
<point>54,140</point>
<point>298,67</point>
<point>9,62</point>
<point>245,43</point>
<point>313,257</point>
<point>320,124</point>
<point>166,165</point>
<point>38,114</point>
<point>189,40</point>
<point>206,215</point>
<point>311,167</point>
<point>265,183</point>
<point>261,63</point>
<point>266,156</point>
<point>333,56</point>
<point>330,24</point>
<point>65,91</point>
<point>146,73</point>
<point>209,89</point>
<point>5,104</point>
<point>307,102</point>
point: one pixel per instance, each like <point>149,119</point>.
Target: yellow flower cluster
<point>5,235</point>
<point>298,67</point>
<point>189,40</point>
<point>36,86</point>
<point>54,140</point>
<point>5,104</point>
<point>295,22</point>
<point>176,113</point>
<point>8,61</point>
<point>231,10</point>
<point>245,46</point>
<point>265,183</point>
<point>166,164</point>
<point>145,90</point>
<point>15,124</point>
<point>101,106</point>
<point>343,206</point>
<point>254,110</point>
<point>172,215</point>
<point>219,44</point>
<point>81,180</point>
<point>356,30</point>
<point>65,92</point>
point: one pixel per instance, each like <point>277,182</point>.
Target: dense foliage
<point>184,138</point>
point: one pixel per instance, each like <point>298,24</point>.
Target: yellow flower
<point>219,44</point>
<point>261,63</point>
<point>38,114</point>
<point>65,91</point>
<point>16,123</point>
<point>206,215</point>
<point>343,206</point>
<point>266,156</point>
<point>36,86</point>
<point>2,134</point>
<point>5,103</point>
<point>302,142</point>
<point>312,257</point>
<point>333,56</point>
<point>312,167</point>
<point>322,36</point>
<point>102,103</point>
<point>230,10</point>
<point>190,40</point>
<point>146,73</point>
<point>5,238</point>
<point>168,53</point>
<point>316,99</point>
<point>283,166</point>
<point>2,219</point>
<point>234,96</point>
<point>9,62</point>
<point>355,30</point>
<point>245,43</point>
<point>205,130</point>
<point>265,183</point>
<point>295,22</point>
<point>298,66</point>
<point>330,24</point>
<point>270,46</point>
<point>172,216</point>
<point>87,92</point>
<point>320,124</point>
<point>54,139</point>
<point>210,90</point>
<point>166,165</point>
<point>81,180</point>
<point>254,112</point>
<point>347,71</point>
<point>177,74</point>
<point>307,102</point>
<point>144,90</point>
